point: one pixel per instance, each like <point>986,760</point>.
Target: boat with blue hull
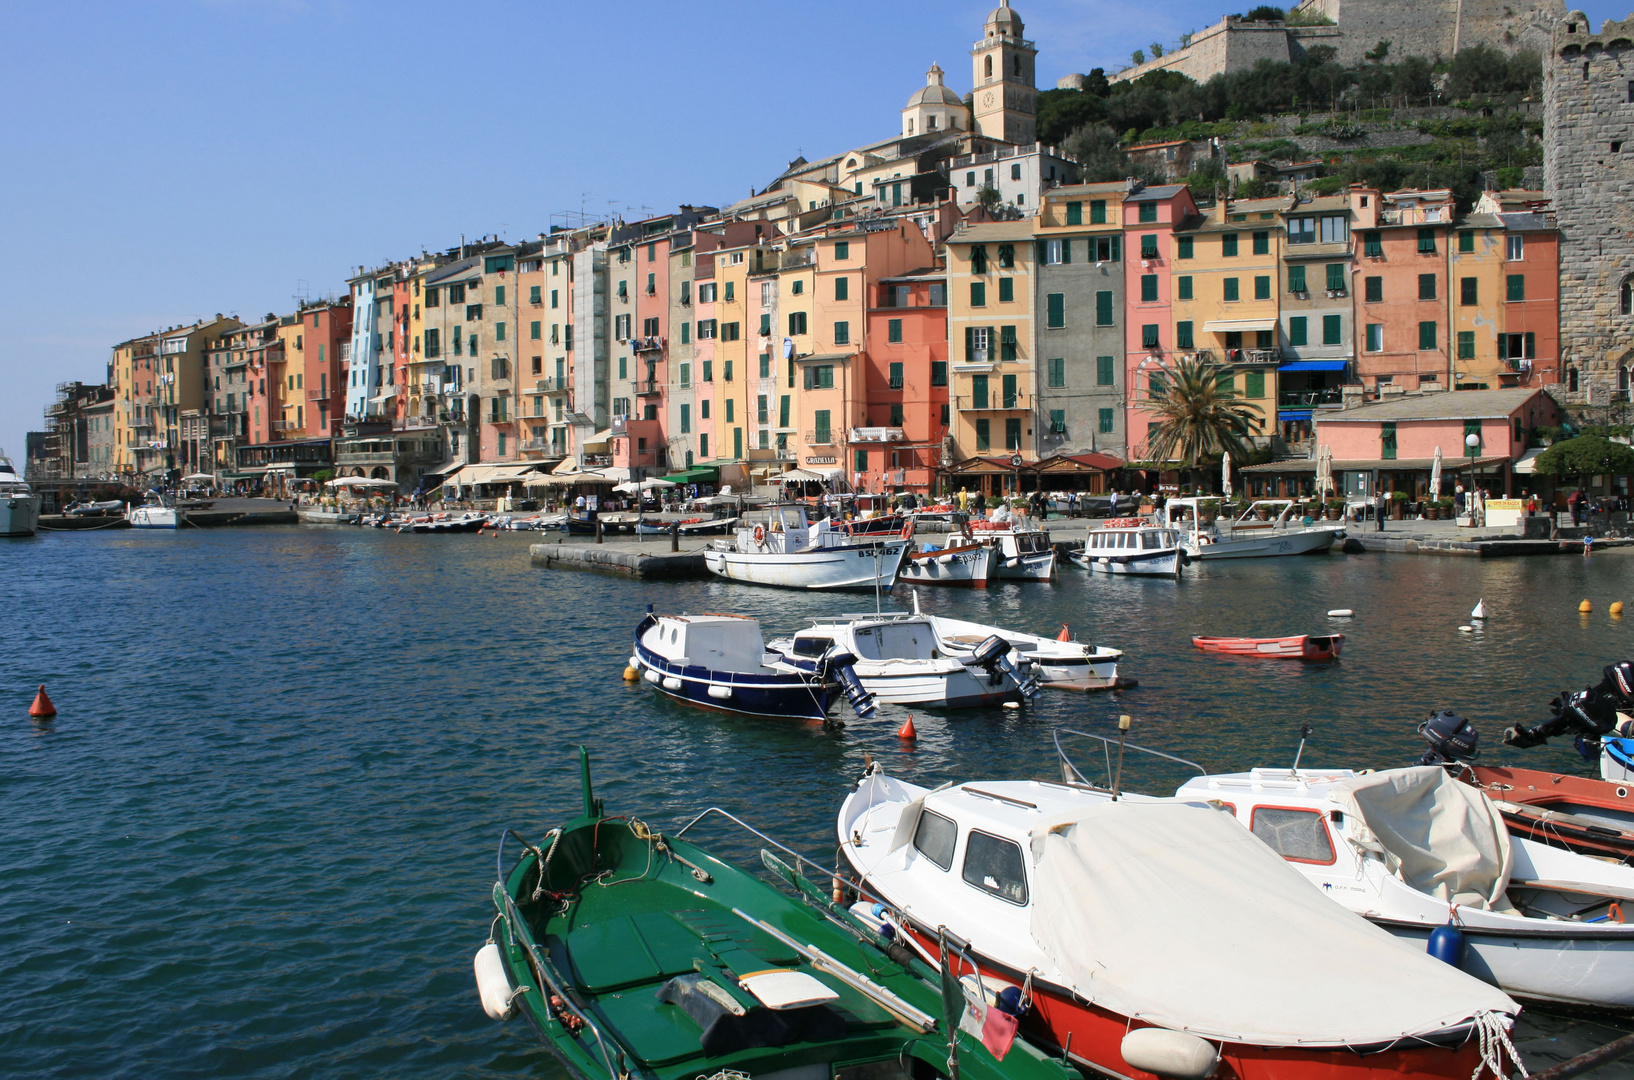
<point>721,662</point>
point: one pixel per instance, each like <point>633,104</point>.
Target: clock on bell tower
<point>1005,96</point>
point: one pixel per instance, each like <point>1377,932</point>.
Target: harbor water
<point>259,837</point>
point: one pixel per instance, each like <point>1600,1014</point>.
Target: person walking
<point>1574,504</point>
<point>1379,502</point>
<point>1112,504</point>
<point>964,500</point>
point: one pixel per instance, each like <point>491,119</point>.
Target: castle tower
<point>1588,170</point>
<point>1005,96</point>
<point>933,108</point>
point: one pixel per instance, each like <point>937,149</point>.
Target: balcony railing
<point>647,344</point>
<point>994,403</point>
<point>823,437</point>
<point>415,423</point>
<point>552,385</point>
<point>1309,399</point>
<point>646,387</point>
<point>876,434</point>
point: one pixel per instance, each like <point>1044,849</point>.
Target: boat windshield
<point>812,646</point>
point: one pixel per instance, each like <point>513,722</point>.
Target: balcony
<point>419,423</point>
<point>877,435</point>
<point>1328,397</point>
<point>824,437</point>
<point>648,344</point>
<point>994,403</point>
<point>552,385</point>
<point>647,387</point>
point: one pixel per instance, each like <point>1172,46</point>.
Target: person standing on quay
<point>1379,503</point>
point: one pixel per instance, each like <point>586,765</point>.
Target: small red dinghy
<point>1297,647</point>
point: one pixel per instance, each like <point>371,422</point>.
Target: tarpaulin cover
<point>1177,915</point>
<point>1439,836</point>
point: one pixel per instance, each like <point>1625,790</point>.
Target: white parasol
<point>359,481</point>
<point>1435,475</point>
<point>1324,471</point>
<point>196,478</point>
<point>1225,474</point>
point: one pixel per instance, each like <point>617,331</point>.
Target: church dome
<point>933,92</point>
<point>1004,20</point>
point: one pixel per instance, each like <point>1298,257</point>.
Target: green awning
<point>699,474</point>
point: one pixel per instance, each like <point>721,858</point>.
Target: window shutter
<point>1531,345</point>
<point>970,344</point>
<point>1042,253</point>
<point>1066,251</point>
<point>1503,346</point>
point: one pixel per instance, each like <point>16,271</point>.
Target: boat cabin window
<point>1296,835</point>
<point>934,837</point>
<point>994,865</point>
<point>812,647</point>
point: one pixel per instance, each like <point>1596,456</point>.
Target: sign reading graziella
<point>822,461</point>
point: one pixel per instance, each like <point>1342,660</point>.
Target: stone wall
<point>1588,99</point>
<point>1229,45</point>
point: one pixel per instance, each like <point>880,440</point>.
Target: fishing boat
<point>1057,662</point>
<point>1131,546</point>
<point>902,659</point>
<point>1021,552</point>
<point>962,563</point>
<point>1294,647</point>
<point>1248,536</point>
<point>722,662</point>
<point>1138,925</point>
<point>19,505</point>
<point>636,955</point>
<point>1578,813</point>
<point>793,552</point>
<point>1413,850</point>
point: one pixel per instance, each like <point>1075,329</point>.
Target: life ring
<point>760,535</point>
<point>907,529</point>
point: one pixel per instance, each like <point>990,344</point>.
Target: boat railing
<point>557,996</point>
<point>740,823</point>
<point>1071,774</point>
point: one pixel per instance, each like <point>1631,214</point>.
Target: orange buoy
<point>906,731</point>
<point>42,706</point>
<point>1063,635</point>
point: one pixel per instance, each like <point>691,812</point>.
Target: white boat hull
<point>1032,566</point>
<point>156,517</point>
<point>933,683</point>
<point>19,515</point>
<point>1161,563</point>
<point>1293,542</point>
<point>1069,664</point>
<point>861,566</point>
<point>1561,968</point>
<point>969,567</point>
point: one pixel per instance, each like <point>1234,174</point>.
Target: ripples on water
<point>258,839</point>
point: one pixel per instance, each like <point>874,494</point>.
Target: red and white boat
<point>1295,647</point>
<point>1158,937</point>
<point>1577,813</point>
<point>963,563</point>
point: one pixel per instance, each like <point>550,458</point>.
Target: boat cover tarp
<point>1440,837</point>
<point>1175,914</point>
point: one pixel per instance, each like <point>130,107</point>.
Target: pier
<point>649,561</point>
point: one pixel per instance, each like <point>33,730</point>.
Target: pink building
<point>1150,217</point>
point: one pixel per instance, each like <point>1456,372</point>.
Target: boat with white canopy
<point>791,551</point>
<point>1248,536</point>
<point>1132,546</point>
<point>1157,936</point>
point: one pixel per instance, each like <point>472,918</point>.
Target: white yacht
<point>791,551</point>
<point>19,506</point>
<point>156,514</point>
<point>1021,552</point>
<point>1248,536</point>
<point>1132,546</point>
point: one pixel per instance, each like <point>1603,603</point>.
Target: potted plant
<point>1336,509</point>
<point>1263,513</point>
<point>1398,505</point>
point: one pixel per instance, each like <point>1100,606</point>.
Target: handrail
<point>785,849</point>
<point>1107,743</point>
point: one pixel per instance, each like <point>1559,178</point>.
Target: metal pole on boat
<point>1304,733</point>
<point>1123,730</point>
<point>876,579</point>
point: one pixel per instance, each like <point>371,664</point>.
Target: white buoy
<point>1012,704</point>
<point>1466,629</point>
<point>1340,613</point>
<point>1480,610</point>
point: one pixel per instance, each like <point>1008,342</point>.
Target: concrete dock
<point>649,561</point>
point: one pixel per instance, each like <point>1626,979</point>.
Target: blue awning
<point>1293,414</point>
<point>1314,365</point>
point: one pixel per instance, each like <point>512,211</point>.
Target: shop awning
<point>1293,414</point>
<point>697,475</point>
<point>508,472</point>
<point>1234,326</point>
<point>598,441</point>
<point>1527,463</point>
<point>1314,365</point>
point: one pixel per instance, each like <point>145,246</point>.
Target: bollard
<point>675,536</point>
<point>598,530</point>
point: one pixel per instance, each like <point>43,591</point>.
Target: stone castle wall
<point>1588,131</point>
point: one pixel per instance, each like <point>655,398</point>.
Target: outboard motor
<point>1588,714</point>
<point>993,656</point>
<point>862,702</point>
<point>1451,738</point>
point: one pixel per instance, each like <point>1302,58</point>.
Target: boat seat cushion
<point>724,1033</point>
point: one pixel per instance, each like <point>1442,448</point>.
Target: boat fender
<point>1340,613</point>
<point>494,985</point>
<point>652,676</point>
<point>1447,945</point>
<point>671,683</point>
<point>1170,1053</point>
<point>720,693</point>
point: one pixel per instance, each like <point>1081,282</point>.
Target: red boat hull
<point>1059,1019</point>
<point>1545,796</point>
<point>1296,647</point>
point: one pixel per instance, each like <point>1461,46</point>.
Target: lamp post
<point>1472,442</point>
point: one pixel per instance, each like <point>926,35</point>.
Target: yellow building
<point>133,374</point>
<point>991,340</point>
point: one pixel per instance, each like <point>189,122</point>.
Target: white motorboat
<point>1146,933</point>
<point>1412,849</point>
<point>1132,546</point>
<point>721,662</point>
<point>961,563</point>
<point>1021,552</point>
<point>1058,662</point>
<point>793,552</point>
<point>903,660</point>
<point>19,505</point>
<point>1247,537</point>
<point>156,514</point>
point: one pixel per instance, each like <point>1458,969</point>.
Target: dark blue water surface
<point>258,839</point>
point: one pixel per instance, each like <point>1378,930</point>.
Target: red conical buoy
<point>42,706</point>
<point>1063,635</point>
<point>906,731</point>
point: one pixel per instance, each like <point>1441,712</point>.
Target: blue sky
<point>170,159</point>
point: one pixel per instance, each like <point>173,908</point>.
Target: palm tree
<point>1198,416</point>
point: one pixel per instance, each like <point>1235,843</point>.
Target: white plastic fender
<point>1341,613</point>
<point>672,683</point>
<point>635,662</point>
<point>493,985</point>
<point>652,676</point>
<point>720,693</point>
<point>1170,1053</point>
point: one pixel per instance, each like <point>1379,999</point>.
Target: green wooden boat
<point>639,955</point>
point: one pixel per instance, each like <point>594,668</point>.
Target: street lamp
<point>1472,442</point>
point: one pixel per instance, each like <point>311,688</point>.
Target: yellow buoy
<point>631,675</point>
<point>1585,607</point>
<point>1616,609</point>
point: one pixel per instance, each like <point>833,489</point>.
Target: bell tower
<point>1005,97</point>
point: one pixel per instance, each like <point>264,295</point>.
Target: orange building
<point>1401,243</point>
<point>905,393</point>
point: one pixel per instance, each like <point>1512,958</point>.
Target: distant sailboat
<point>1480,609</point>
